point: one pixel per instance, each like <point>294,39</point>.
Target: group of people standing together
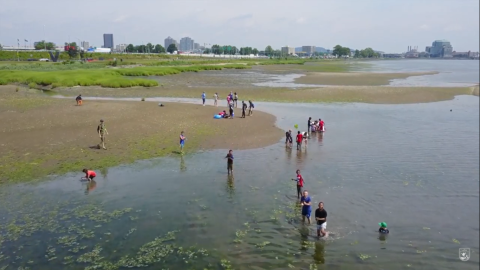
<point>302,137</point>
<point>306,204</point>
<point>232,102</point>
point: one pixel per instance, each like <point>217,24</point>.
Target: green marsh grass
<point>110,78</point>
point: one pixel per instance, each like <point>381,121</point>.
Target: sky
<point>385,25</point>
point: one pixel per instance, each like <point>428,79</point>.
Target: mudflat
<point>43,135</point>
<point>362,94</point>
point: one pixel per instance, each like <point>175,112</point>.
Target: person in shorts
<point>229,158</point>
<point>102,131</point>
<point>89,174</point>
<point>321,218</point>
<point>235,99</point>
<point>250,108</point>
<point>306,203</point>
<point>182,141</point>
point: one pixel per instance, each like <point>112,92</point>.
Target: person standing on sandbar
<point>102,131</point>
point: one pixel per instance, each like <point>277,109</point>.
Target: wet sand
<point>42,135</point>
<point>351,78</point>
<point>362,94</point>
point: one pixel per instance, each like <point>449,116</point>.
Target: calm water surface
<point>450,73</point>
<point>415,167</point>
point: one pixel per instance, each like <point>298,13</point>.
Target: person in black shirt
<point>321,218</point>
<point>244,108</point>
<point>309,124</point>
<point>288,138</point>
<point>229,158</point>
<point>231,110</point>
<point>78,99</point>
<point>383,228</point>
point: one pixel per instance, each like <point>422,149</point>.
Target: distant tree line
<point>148,48</point>
<point>42,45</point>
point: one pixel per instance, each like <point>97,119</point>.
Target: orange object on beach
<point>79,102</point>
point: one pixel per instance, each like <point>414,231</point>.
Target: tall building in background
<point>108,41</point>
<point>186,44</point>
<point>121,47</point>
<point>85,45</point>
<point>288,50</point>
<point>196,46</point>
<point>440,48</point>
<point>308,49</point>
<point>169,41</point>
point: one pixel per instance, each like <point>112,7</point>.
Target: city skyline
<point>385,27</point>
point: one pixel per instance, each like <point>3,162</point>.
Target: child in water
<point>383,228</point>
<point>89,174</point>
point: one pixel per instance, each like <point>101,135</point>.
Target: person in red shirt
<point>299,181</point>
<point>89,174</point>
<point>321,125</point>
<point>299,140</point>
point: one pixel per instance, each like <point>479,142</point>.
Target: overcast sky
<point>385,25</point>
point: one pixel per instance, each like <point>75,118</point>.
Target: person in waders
<point>102,131</point>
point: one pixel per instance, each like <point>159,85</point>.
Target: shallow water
<point>451,73</point>
<point>414,166</point>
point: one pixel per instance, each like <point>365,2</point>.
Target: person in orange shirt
<point>89,174</point>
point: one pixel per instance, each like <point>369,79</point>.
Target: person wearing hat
<point>383,228</point>
<point>102,131</point>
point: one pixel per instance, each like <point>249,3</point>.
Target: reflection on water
<point>393,163</point>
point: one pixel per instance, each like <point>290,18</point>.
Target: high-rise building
<point>85,45</point>
<point>121,47</point>
<point>440,48</point>
<point>186,44</point>
<point>308,49</point>
<point>288,50</point>
<point>108,41</point>
<point>196,46</point>
<point>169,41</point>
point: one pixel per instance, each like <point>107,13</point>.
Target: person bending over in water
<point>288,138</point>
<point>89,174</point>
<point>305,201</point>
<point>383,228</point>
<point>321,218</point>
<point>299,181</point>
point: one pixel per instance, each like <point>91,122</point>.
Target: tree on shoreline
<point>268,50</point>
<point>341,51</point>
<point>171,48</point>
<point>159,49</point>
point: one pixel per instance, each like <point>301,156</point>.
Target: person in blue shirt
<point>306,203</point>
<point>203,98</point>
<point>182,141</point>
